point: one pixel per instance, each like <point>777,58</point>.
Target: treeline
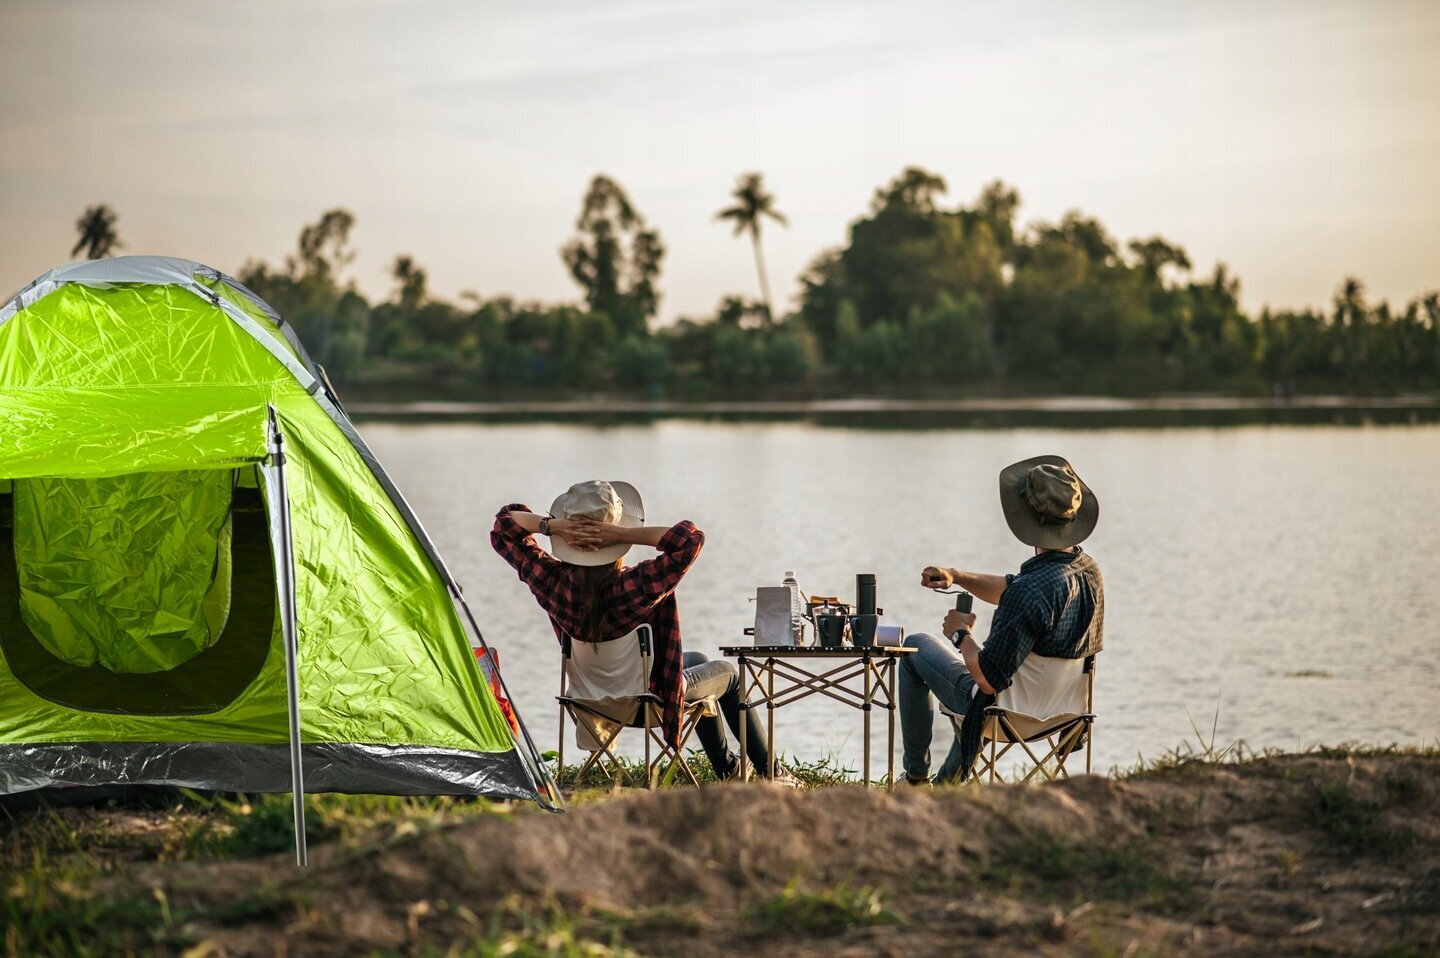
<point>923,300</point>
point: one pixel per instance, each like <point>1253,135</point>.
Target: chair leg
<point>650,776</point>
<point>560,750</point>
<point>674,758</point>
<point>1011,741</point>
<point>991,770</point>
<point>1041,766</point>
<point>1089,744</point>
<point>1073,739</point>
<point>1039,763</point>
<point>1061,745</point>
<point>614,769</point>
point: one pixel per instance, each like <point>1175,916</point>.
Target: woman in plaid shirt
<point>591,595</point>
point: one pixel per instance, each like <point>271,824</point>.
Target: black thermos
<point>865,593</point>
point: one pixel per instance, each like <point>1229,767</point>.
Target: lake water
<point>1276,582</point>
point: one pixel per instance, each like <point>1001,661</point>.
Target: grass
<point>515,931</point>
<point>820,773</point>
<point>55,910</point>
<point>243,826</point>
<point>1353,822</point>
<point>828,912</point>
<point>1133,873</point>
<point>190,826</point>
<point>57,898</point>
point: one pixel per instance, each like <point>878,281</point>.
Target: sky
<point>1297,142</point>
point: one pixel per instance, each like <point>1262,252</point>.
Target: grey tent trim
<point>27,296</point>
<point>157,270</point>
<point>242,767</point>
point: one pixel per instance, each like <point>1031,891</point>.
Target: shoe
<point>732,774</point>
<point>922,782</point>
<point>786,778</point>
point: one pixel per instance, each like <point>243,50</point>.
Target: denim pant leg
<point>704,678</point>
<point>936,667</point>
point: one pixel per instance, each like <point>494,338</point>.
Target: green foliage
<point>922,299</point>
<point>830,911</point>
<point>615,258</point>
<point>331,319</point>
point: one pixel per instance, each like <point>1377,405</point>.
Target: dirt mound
<point>1297,855</point>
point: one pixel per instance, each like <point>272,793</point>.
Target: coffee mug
<point>831,629</point>
<point>862,630</point>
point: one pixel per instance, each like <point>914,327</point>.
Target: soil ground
<point>1329,853</point>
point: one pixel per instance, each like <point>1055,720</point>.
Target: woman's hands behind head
<point>588,535</point>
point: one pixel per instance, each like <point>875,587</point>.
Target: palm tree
<point>97,233</point>
<point>411,280</point>
<point>751,204</point>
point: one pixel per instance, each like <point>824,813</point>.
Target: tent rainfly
<point>206,577</point>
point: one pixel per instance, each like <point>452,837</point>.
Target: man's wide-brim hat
<point>1046,504</point>
<point>615,502</point>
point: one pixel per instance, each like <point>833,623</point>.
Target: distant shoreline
<point>1044,405</point>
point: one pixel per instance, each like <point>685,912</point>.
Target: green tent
<point>206,578</point>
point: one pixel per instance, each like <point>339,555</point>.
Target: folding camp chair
<point>605,689</point>
<point>1050,706</point>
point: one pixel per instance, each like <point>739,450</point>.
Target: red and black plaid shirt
<point>644,592</point>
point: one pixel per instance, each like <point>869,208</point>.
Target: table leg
<point>866,709</point>
<point>890,669</point>
<point>770,713</point>
<point>744,716</point>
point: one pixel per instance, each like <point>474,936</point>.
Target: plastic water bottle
<point>797,610</point>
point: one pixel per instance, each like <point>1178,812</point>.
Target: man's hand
<point>936,577</point>
<point>955,620</point>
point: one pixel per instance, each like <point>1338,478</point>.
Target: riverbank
<point>1041,411</point>
<point>1333,852</point>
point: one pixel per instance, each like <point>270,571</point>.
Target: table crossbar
<point>760,668</point>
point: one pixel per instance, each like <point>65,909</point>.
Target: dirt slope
<point>1304,855</point>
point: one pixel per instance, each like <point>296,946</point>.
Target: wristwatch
<point>544,526</point>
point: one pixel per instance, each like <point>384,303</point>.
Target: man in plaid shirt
<point>587,606</point>
<point>1055,607</point>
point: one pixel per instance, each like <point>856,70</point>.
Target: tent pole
<point>281,505</point>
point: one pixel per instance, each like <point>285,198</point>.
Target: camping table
<point>803,671</point>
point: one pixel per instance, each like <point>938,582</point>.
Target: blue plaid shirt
<point>1055,607</point>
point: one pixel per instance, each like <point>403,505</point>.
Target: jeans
<point>704,678</point>
<point>936,667</point>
